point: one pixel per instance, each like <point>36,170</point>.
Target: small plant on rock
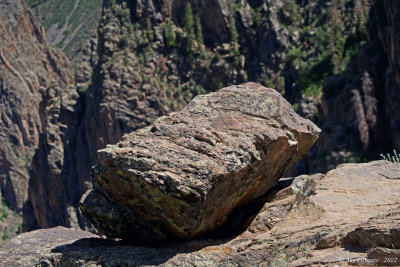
<point>394,159</point>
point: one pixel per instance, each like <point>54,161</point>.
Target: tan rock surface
<point>26,249</point>
<point>365,232</point>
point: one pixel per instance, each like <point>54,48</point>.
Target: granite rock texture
<point>183,175</point>
<point>29,70</point>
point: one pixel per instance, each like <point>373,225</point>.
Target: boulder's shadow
<point>110,253</point>
<point>117,253</point>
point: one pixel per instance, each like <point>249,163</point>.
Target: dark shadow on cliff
<point>110,251</point>
<point>354,116</point>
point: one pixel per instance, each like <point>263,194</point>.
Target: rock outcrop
<point>39,113</point>
<point>183,175</point>
<point>350,216</point>
<point>28,71</point>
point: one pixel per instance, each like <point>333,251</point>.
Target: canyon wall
<point>336,61</point>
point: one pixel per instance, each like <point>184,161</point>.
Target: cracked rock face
<point>29,72</point>
<point>183,175</point>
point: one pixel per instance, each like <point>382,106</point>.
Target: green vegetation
<point>170,35</point>
<point>199,90</point>
<point>3,211</point>
<point>199,36</point>
<point>217,55</point>
<point>194,40</point>
<point>394,159</point>
<point>75,20</point>
<point>235,52</point>
<point>291,13</point>
<point>257,15</point>
<point>85,87</point>
<point>122,12</point>
<point>277,82</point>
<point>325,45</point>
<point>149,30</point>
<point>188,22</point>
<point>3,214</point>
<point>11,219</point>
<point>188,25</point>
<point>5,234</point>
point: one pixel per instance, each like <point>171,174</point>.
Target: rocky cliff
<point>30,71</point>
<point>149,58</point>
<point>359,105</point>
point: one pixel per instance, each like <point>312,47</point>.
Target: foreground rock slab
<point>183,175</point>
<point>350,216</point>
<point>27,249</point>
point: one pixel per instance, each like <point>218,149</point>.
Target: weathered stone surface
<point>28,248</point>
<point>353,210</point>
<point>183,175</point>
<point>34,83</point>
<point>28,68</point>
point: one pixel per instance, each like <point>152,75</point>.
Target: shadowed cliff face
<point>360,105</point>
<point>390,38</point>
<point>28,70</point>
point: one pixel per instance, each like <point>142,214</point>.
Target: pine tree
<point>188,25</point>
<point>170,34</point>
<point>188,21</point>
<point>199,35</point>
<point>233,32</point>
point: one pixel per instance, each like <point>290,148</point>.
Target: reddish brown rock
<point>183,175</point>
<point>28,69</point>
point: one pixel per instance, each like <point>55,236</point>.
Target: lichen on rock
<point>182,176</point>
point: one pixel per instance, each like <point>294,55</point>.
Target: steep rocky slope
<point>337,219</point>
<point>389,35</point>
<point>360,106</point>
<point>149,58</point>
<point>33,79</point>
<point>209,44</point>
<point>10,222</point>
<point>173,51</point>
<point>68,24</point>
<point>29,71</point>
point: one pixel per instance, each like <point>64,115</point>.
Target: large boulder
<point>182,176</point>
